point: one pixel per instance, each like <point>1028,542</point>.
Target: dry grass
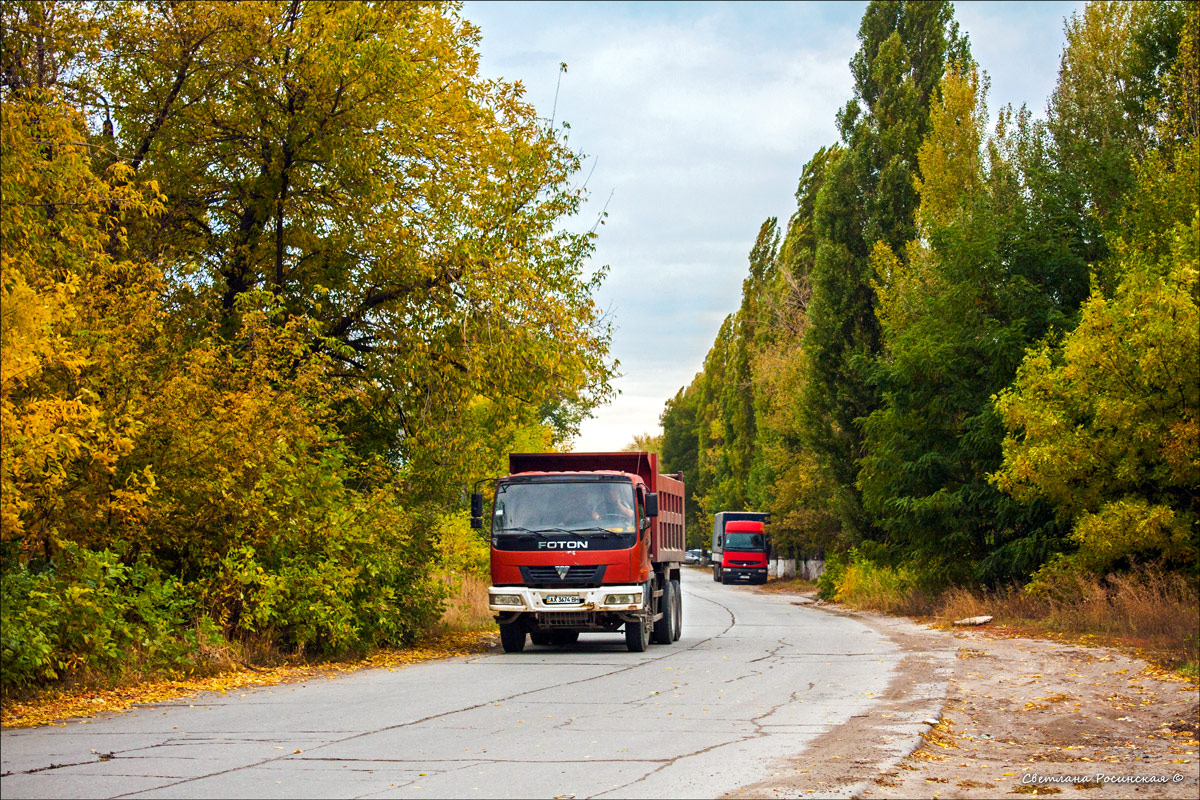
<point>467,607</point>
<point>788,585</point>
<point>1154,612</point>
<point>892,590</point>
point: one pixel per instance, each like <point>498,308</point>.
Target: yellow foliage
<point>949,157</point>
<point>58,331</point>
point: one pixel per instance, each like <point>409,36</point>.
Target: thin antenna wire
<point>562,68</point>
<point>600,217</point>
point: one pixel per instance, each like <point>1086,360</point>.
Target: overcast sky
<point>695,120</point>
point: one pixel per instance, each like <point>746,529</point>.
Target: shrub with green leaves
<point>89,610</point>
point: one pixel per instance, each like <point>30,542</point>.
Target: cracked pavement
<point>754,681</point>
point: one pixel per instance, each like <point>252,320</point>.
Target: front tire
<point>512,637</point>
<point>541,639</point>
<point>716,573</point>
<point>637,636</point>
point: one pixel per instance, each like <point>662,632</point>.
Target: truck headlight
<point>507,600</point>
<point>623,599</point>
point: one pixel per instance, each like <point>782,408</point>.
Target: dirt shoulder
<point>1020,716</point>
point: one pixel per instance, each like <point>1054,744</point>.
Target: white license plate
<point>563,600</point>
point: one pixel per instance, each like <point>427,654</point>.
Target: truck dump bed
<point>666,531</point>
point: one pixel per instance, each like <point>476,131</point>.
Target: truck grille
<point>565,619</point>
<point>578,574</point>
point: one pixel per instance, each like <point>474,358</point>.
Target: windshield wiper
<point>601,531</point>
<point>534,531</point>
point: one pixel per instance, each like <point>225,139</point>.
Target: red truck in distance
<point>739,546</point>
<point>585,542</point>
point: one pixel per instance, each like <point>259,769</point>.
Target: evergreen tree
<point>867,197</point>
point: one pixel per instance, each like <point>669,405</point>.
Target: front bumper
<point>522,599</point>
<point>745,573</point>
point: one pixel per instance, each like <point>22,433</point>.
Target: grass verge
<point>467,608</point>
<point>1155,614</point>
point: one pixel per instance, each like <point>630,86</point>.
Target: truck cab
<point>740,547</point>
<point>584,542</point>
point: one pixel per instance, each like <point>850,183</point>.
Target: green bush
<point>462,550</point>
<point>835,568</point>
<point>90,611</point>
<point>863,582</point>
<point>880,587</point>
<point>363,581</point>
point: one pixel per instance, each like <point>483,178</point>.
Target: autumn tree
<point>796,492</point>
<point>680,445</point>
<point>349,160</point>
<point>278,278</point>
<point>977,287</point>
<point>645,443</point>
<point>1106,427</point>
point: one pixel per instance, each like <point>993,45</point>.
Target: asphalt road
<point>754,678</point>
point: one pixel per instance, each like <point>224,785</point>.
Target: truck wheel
<point>562,638</point>
<point>541,639</point>
<point>512,637</point>
<point>637,636</point>
<point>678,609</point>
<point>664,628</point>
<point>724,579</point>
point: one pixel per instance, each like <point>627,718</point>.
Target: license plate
<point>563,600</point>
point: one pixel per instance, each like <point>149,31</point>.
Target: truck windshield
<point>745,541</point>
<point>564,506</point>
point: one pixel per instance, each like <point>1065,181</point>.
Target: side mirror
<point>476,511</point>
<point>652,504</point>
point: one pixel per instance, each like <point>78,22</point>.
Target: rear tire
<point>678,592</point>
<point>512,637</point>
<point>637,636</point>
<point>541,639</point>
<point>664,628</point>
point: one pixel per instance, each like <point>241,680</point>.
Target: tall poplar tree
<point>868,197</point>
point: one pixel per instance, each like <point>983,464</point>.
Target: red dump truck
<point>585,542</point>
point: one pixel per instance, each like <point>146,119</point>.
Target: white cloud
<point>698,118</point>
